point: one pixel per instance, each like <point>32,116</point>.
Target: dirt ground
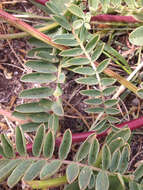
<point>12,60</point>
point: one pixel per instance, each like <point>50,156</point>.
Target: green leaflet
<point>35,107</point>
<point>20,142</point>
<point>107,81</point>
<point>78,24</point>
<point>65,145</point>
<point>138,172</point>
<point>94,101</point>
<point>42,92</point>
<point>87,80</point>
<point>102,181</point>
<point>93,151</point>
<point>124,159</point>
<point>83,150</point>
<point>47,56</point>
<point>53,123</point>
<point>113,120</point>
<point>92,182</point>
<point>72,186</point>
<point>95,110</point>
<point>50,169</point>
<point>49,145</point>
<point>109,90</point>
<point>38,78</point>
<point>30,127</point>
<point>62,21</point>
<point>93,5</point>
<point>66,42</point>
<point>7,146</point>
<point>112,111</point>
<point>84,70</point>
<point>71,53</point>
<point>123,133</point>
<point>72,172</point>
<point>18,173</point>
<point>136,37</point>
<point>92,43</point>
<point>105,5</point>
<point>57,107</point>
<point>115,144</point>
<point>41,66</point>
<point>133,185</point>
<point>2,152</point>
<point>76,10</point>
<point>115,160</point>
<point>97,52</point>
<point>140,93</point>
<point>34,51</point>
<point>103,65</point>
<point>106,157</point>
<point>76,62</point>
<point>92,93</point>
<point>84,177</point>
<point>34,117</point>
<point>110,103</point>
<point>98,125</point>
<point>38,141</point>
<point>8,168</point>
<point>34,170</point>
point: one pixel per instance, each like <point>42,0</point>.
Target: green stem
<point>39,184</point>
<point>47,27</point>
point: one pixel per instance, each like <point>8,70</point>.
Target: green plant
<point>71,48</point>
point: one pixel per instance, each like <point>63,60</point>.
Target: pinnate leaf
<point>65,145</point>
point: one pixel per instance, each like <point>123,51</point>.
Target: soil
<point>12,60</point>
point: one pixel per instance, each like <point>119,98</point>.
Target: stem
<point>39,184</point>
<point>27,28</point>
<point>114,18</point>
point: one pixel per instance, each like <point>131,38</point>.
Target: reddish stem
<point>80,137</point>
<point>41,1</point>
<point>113,18</point>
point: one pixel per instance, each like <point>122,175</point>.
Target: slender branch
<point>29,29</point>
<point>25,34</point>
